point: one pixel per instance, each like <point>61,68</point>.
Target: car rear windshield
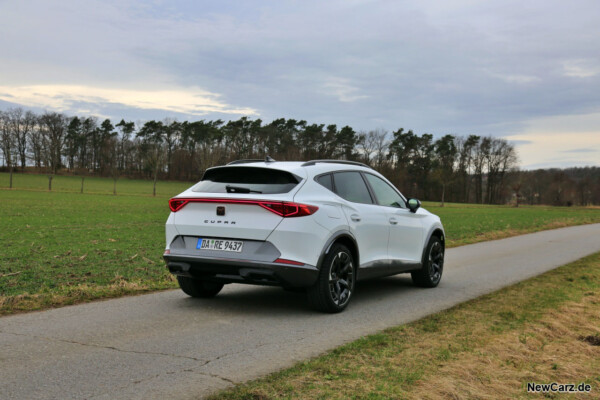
<point>246,180</point>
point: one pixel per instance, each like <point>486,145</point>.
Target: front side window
<point>385,194</point>
<point>352,187</point>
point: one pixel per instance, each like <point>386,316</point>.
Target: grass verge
<point>545,329</point>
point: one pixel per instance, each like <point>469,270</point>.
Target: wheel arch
<point>435,231</point>
<point>347,239</point>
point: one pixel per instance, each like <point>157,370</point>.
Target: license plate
<point>220,245</point>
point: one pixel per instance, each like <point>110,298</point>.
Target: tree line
<point>478,169</point>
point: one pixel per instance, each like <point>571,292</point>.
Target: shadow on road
<point>271,301</point>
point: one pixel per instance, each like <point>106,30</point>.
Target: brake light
<point>177,204</point>
<point>284,209</point>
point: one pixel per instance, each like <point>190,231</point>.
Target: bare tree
<point>465,148</point>
<point>500,158</point>
<point>7,142</point>
<point>21,124</point>
<point>36,142</point>
<point>367,143</point>
<point>54,129</point>
<point>382,145</point>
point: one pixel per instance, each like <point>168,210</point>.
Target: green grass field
<point>63,247</point>
<point>472,223</point>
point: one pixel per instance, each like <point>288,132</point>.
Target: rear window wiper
<point>239,189</point>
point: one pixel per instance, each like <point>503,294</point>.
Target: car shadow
<point>273,301</point>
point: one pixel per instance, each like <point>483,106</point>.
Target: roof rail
<point>314,162</point>
<point>267,159</point>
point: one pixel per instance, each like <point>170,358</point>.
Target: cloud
<point>580,69</point>
<point>581,151</point>
<point>521,142</point>
<point>343,90</point>
<point>191,101</point>
<point>463,67</point>
<point>518,79</point>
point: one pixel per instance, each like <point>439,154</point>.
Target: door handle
<point>355,217</point>
<point>393,221</point>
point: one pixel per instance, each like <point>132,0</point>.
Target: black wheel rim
<point>341,279</point>
<point>436,262</point>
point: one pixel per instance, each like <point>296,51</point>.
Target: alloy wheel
<point>341,279</point>
<point>436,262</point>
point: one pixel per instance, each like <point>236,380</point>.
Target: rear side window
<point>246,180</point>
<point>325,180</point>
<point>352,187</point>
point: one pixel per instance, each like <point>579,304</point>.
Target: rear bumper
<point>242,271</point>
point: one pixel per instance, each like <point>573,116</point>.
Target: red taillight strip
<point>281,208</point>
<point>284,261</point>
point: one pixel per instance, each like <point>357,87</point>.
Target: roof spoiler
<point>252,160</point>
<point>314,162</point>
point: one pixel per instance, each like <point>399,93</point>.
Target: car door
<point>406,228</point>
<point>368,224</point>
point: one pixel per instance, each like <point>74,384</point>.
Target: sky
<point>525,71</point>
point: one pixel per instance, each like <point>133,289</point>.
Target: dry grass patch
<point>555,349</point>
<point>489,347</point>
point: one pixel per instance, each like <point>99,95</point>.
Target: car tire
<point>334,287</point>
<point>430,274</point>
<point>198,287</point>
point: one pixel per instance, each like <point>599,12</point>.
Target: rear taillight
<point>284,209</point>
<point>177,204</point>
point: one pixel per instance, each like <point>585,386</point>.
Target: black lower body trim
<point>383,268</point>
<point>242,271</point>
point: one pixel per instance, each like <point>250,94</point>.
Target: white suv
<point>318,226</point>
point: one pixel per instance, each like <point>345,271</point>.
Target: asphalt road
<point>167,345</point>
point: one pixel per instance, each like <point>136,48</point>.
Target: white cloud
<point>518,79</point>
<point>580,69</point>
<point>343,90</point>
<point>192,101</point>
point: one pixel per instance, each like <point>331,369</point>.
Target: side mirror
<point>413,205</point>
